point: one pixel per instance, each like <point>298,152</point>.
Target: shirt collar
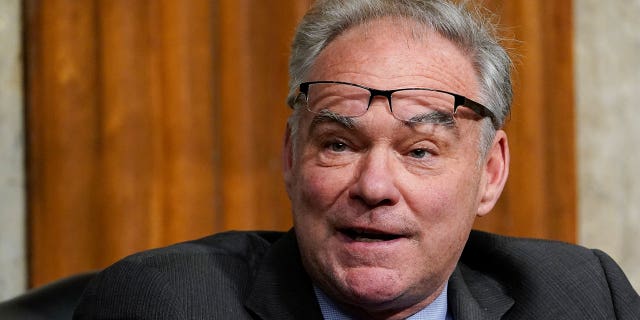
<point>437,310</point>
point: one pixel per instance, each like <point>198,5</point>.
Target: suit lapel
<point>282,289</point>
<point>473,295</point>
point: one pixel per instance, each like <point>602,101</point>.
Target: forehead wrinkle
<point>439,70</point>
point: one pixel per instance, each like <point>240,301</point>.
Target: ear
<point>287,158</point>
<point>495,173</point>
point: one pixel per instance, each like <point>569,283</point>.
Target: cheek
<point>433,197</point>
<point>445,213</point>
<point>318,187</point>
<point>447,200</point>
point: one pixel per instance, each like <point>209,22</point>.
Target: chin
<point>373,285</point>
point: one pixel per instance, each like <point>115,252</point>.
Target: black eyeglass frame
<point>459,100</point>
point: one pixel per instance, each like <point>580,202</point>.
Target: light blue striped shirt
<point>437,310</point>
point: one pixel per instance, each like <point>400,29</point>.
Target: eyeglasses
<point>406,104</point>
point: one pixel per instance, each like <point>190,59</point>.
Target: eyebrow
<point>444,119</point>
<point>326,116</point>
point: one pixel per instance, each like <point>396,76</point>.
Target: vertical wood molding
<point>152,122</point>
<point>540,196</point>
<point>121,141</point>
<point>61,102</point>
<point>253,40</point>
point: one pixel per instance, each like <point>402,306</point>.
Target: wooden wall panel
<point>122,138</point>
<point>152,122</point>
<point>540,196</point>
<point>62,149</point>
<point>254,37</point>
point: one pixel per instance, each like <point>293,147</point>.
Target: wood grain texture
<point>122,141</point>
<point>151,122</point>
<point>62,110</point>
<point>540,196</point>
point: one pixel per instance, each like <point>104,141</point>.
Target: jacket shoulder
<point>238,244</point>
<point>200,278</point>
<point>524,252</point>
<point>550,279</point>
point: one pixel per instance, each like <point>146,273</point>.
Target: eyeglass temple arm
<point>477,108</point>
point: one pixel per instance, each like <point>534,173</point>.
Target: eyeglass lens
<point>353,101</point>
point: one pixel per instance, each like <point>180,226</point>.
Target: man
<point>393,148</point>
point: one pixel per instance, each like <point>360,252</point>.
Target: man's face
<point>382,209</point>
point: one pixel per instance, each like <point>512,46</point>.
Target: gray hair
<point>472,32</point>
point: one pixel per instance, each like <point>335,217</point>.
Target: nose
<point>375,183</point>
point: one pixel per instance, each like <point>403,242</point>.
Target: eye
<point>419,153</point>
<point>336,146</point>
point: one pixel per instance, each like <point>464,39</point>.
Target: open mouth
<point>362,235</point>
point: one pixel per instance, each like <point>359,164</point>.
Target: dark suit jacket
<point>258,275</point>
